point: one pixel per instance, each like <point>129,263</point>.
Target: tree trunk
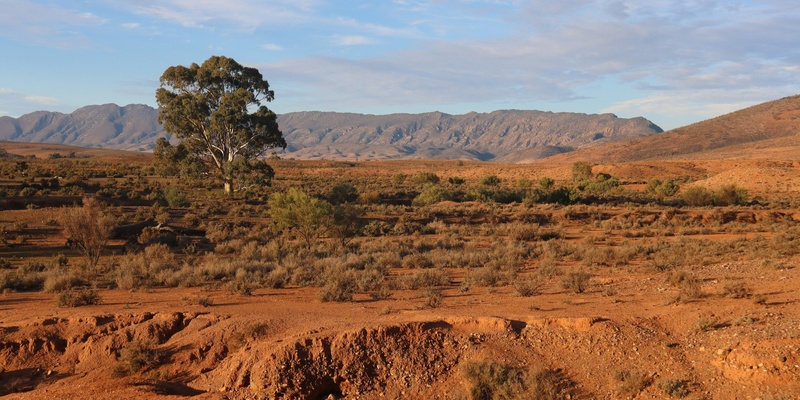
<point>228,186</point>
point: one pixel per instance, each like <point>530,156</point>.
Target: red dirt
<point>394,349</point>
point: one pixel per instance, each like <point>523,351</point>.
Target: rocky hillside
<point>768,128</point>
<point>508,136</point>
<point>133,127</point>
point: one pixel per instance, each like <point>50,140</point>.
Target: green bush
<point>78,298</point>
<point>136,356</point>
<point>174,197</point>
<point>730,195</point>
<point>674,387</point>
<point>304,214</point>
<point>423,178</point>
<point>698,196</point>
<point>577,281</point>
<point>342,193</point>
<point>456,180</point>
<point>490,180</point>
<point>493,381</point>
<point>581,171</point>
<point>339,286</point>
<point>431,194</point>
<point>662,189</point>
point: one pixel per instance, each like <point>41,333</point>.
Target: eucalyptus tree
<point>217,109</point>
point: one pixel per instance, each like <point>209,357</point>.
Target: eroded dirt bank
<point>284,344</point>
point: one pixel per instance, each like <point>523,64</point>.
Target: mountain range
<point>507,136</point>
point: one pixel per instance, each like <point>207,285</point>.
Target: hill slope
<point>508,135</point>
<point>501,135</point>
<point>133,127</point>
<point>767,128</point>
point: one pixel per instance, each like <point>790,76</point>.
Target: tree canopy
<point>216,108</point>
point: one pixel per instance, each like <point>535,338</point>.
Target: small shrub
<point>174,197</point>
<point>426,278</point>
<point>399,178</point>
<point>490,180</point>
<point>200,300</point>
<point>706,324</point>
<point>423,178</point>
<point>340,286</point>
<point>577,281</point>
<point>730,195</point>
<point>581,171</point>
<point>698,196</point>
<point>631,383</point>
<point>136,356</point>
<point>58,281</point>
<point>456,180</point>
<point>246,333</point>
<point>433,297</point>
<point>88,228</point>
<point>528,287</point>
<point>760,299</point>
<point>674,387</point>
<point>489,380</point>
<point>78,298</point>
<point>342,193</point>
<point>736,290</point>
<point>431,194</point>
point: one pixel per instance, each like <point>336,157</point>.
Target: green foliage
<point>546,183</point>
<point>674,387</point>
<point>493,381</point>
<point>490,180</point>
<point>136,356</point>
<point>77,298</point>
<point>250,175</point>
<point>342,193</point>
<point>456,180</point>
<point>488,194</point>
<point>423,178</point>
<point>209,106</point>
<point>169,160</point>
<point>730,195</point>
<point>581,171</point>
<point>340,285</point>
<point>88,228</point>
<point>577,281</point>
<point>345,222</point>
<point>662,189</point>
<point>431,194</point>
<point>697,196</point>
<point>304,214</point>
<point>602,184</point>
<point>398,178</point>
<point>174,197</point>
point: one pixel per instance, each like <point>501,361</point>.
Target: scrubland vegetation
<point>367,229</point>
<point>425,232</point>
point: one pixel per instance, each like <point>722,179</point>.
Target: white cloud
<point>694,58</point>
<point>271,47</point>
<point>50,25</point>
<point>50,101</point>
<point>131,25</point>
<point>351,40</point>
<point>13,103</point>
<point>244,15</point>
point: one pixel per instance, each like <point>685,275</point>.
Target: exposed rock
<point>509,135</point>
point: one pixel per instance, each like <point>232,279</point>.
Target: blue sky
<point>674,62</point>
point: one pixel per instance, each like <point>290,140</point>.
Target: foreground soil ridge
<point>209,357</point>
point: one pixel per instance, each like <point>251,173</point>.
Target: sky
<point>673,62</point>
